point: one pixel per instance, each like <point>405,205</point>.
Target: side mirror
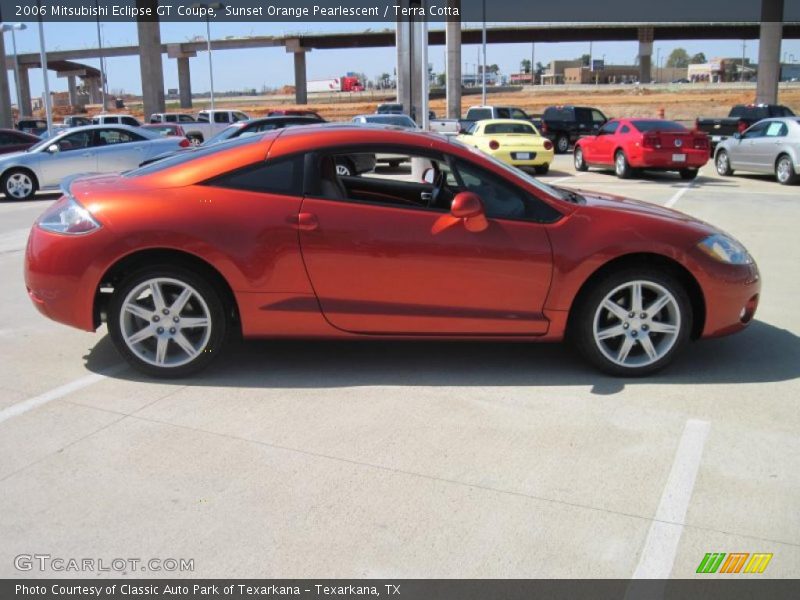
<point>53,148</point>
<point>429,175</point>
<point>737,136</point>
<point>469,208</point>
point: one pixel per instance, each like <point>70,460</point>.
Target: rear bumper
<point>667,159</point>
<point>511,157</point>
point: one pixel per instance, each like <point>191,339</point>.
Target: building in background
<point>719,70</point>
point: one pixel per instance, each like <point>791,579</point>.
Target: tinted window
<point>396,120</point>
<point>776,129</point>
<point>559,114</point>
<point>279,176</point>
<point>202,118</point>
<point>239,116</point>
<point>625,129</point>
<point>76,141</point>
<point>503,113</point>
<point>500,200</point>
<point>598,117</point>
<point>221,117</point>
<point>478,114</point>
<point>657,125</point>
<point>756,130</point>
<point>185,119</point>
<point>609,128</point>
<point>188,155</point>
<point>115,136</point>
<point>583,114</point>
<point>518,114</point>
<point>499,128</point>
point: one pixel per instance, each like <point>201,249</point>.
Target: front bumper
<point>731,294</point>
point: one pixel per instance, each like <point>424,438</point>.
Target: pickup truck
<point>565,125</point>
<point>739,118</point>
<point>481,113</point>
<point>205,125</point>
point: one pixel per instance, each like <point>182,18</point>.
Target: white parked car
<point>769,146</point>
<point>114,119</point>
<point>90,149</point>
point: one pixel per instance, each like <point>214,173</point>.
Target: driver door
<point>390,267</point>
<point>75,155</point>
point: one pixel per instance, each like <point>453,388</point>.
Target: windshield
<point>223,135</point>
<point>46,141</point>
<point>548,189</point>
<point>397,120</point>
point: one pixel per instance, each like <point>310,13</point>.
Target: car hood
<point>13,155</point>
<point>612,202</point>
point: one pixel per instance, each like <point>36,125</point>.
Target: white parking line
<point>64,390</point>
<point>658,555</point>
<point>677,195</point>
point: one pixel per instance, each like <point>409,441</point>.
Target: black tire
<point>580,163</point>
<point>562,144</point>
<point>784,170</point>
<point>722,162</point>
<point>207,349</point>
<point>14,178</point>
<point>688,174</point>
<point>541,169</point>
<point>588,307</point>
<point>622,167</point>
<point>345,168</point>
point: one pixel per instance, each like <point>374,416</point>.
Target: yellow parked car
<point>513,141</point>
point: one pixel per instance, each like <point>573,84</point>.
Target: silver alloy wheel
<point>578,158</point>
<point>343,170</point>
<point>19,185</point>
<point>165,322</point>
<point>784,170</point>
<point>722,163</point>
<point>637,323</point>
<point>620,163</point>
<point>563,144</point>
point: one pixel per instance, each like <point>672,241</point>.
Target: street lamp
<point>102,60</point>
<point>213,6</point>
<point>483,36</point>
<point>12,27</point>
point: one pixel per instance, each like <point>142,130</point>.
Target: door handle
<point>427,196</point>
<point>306,221</point>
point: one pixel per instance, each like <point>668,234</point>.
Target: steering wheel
<point>438,185</point>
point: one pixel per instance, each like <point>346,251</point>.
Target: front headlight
<point>68,217</point>
<point>725,249</point>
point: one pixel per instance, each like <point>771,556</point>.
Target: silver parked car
<point>769,146</point>
<point>91,149</point>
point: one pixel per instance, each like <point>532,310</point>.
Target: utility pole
<point>744,46</point>
<point>483,88</point>
<point>533,67</point>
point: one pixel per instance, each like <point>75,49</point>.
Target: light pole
<point>209,7</point>
<point>43,61</point>
<point>483,72</point>
<point>12,27</point>
<point>102,60</point>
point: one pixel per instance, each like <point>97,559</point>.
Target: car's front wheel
<point>723,164</point>
<point>632,322</point>
<point>19,184</point>
<point>167,321</point>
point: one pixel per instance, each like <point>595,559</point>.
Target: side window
<point>279,176</point>
<point>503,113</point>
<point>202,117</point>
<point>130,121</point>
<point>598,117</point>
<point>238,116</point>
<point>583,115</point>
<point>221,117</point>
<point>777,129</point>
<point>518,114</point>
<point>500,200</point>
<point>625,129</point>
<point>76,141</point>
<point>609,128</point>
<point>185,119</point>
<point>755,131</point>
<point>170,118</point>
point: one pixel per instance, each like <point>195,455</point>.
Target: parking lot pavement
<point>321,459</point>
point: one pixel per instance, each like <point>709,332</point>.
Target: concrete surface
<point>319,459</point>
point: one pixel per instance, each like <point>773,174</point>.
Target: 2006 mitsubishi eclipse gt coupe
<point>261,235</point>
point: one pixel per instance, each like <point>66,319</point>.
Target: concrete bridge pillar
<point>25,92</point>
<point>769,51</point>
<point>72,86</point>
<point>295,46</point>
<point>184,72</point>
<point>6,118</point>
<point>645,54</point>
<point>152,71</point>
<point>453,52</point>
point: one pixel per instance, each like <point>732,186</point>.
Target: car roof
<point>493,121</point>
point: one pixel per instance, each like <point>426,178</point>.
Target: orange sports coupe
<point>261,235</point>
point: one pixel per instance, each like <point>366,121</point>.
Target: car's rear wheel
<point>562,144</point>
<point>784,170</point>
<point>688,174</point>
<point>633,322</point>
<point>580,163</point>
<point>167,321</point>
<point>541,169</point>
<point>19,184</point>
<point>621,166</point>
<point>723,164</point>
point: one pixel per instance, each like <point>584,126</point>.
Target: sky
<point>273,67</point>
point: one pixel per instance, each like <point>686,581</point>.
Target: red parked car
<point>653,144</point>
<point>12,140</point>
<point>261,235</point>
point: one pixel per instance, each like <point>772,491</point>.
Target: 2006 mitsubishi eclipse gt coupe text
<point>261,235</point>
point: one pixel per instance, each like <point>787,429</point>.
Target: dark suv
<point>563,125</point>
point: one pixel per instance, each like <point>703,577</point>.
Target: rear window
<point>185,156</point>
<point>656,125</point>
<point>751,112</point>
<point>499,128</point>
<point>478,114</point>
<point>396,120</point>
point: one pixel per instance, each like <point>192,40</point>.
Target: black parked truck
<point>739,118</point>
<point>563,125</point>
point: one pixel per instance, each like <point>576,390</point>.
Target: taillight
<point>67,216</point>
<point>494,144</point>
<point>548,145</point>
<point>184,143</point>
<point>544,127</point>
<point>741,126</point>
<point>651,141</point>
<point>700,143</point>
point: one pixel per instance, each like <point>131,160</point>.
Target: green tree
<point>525,65</point>
<point>586,60</point>
<point>698,59</point>
<point>441,80</point>
<point>678,58</point>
